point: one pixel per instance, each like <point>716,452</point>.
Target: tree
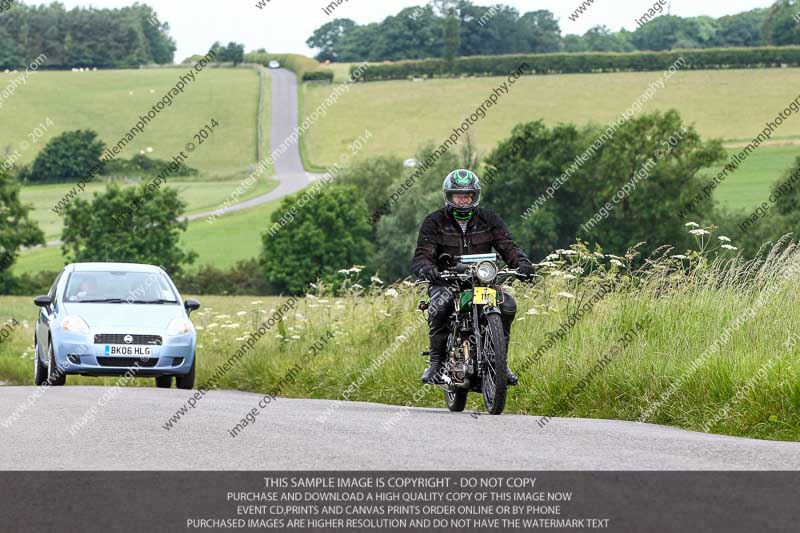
<point>327,37</point>
<point>541,31</point>
<point>661,33</point>
<point>16,227</point>
<point>374,177</point>
<point>536,156</point>
<point>781,26</point>
<point>452,39</point>
<point>397,231</point>
<point>329,233</point>
<point>233,53</point>
<point>68,156</point>
<point>135,224</point>
<point>602,39</point>
<point>742,29</point>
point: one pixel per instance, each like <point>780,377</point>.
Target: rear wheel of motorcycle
<point>456,400</point>
<point>495,353</point>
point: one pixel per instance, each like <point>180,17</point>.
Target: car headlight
<point>179,326</point>
<point>74,324</point>
<point>486,271</point>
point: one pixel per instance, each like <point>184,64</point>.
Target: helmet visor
<point>462,199</point>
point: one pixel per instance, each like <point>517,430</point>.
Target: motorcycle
<point>477,349</point>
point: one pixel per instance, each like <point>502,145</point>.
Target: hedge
<point>319,75</point>
<point>304,67</point>
<point>567,63</point>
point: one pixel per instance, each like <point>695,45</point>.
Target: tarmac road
<point>127,433</point>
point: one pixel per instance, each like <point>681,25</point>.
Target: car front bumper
<point>79,354</point>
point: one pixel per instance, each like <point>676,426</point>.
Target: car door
<point>45,317</point>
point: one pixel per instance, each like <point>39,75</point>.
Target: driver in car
<point>87,290</point>
<point>461,228</point>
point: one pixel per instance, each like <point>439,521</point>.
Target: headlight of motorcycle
<point>179,326</point>
<point>74,324</point>
<point>486,271</point>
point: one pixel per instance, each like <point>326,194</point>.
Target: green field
<point>199,195</point>
<point>676,331</point>
<point>230,238</point>
<point>102,101</point>
<point>732,105</point>
<point>224,160</point>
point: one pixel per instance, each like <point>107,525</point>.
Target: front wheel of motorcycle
<point>495,354</point>
<point>456,400</point>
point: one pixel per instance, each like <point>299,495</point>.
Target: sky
<point>283,26</point>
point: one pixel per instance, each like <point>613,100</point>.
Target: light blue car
<point>115,319</point>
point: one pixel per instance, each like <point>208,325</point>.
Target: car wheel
<point>164,382</point>
<point>186,382</point>
<point>39,368</point>
<point>55,376</point>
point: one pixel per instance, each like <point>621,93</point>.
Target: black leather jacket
<point>440,233</point>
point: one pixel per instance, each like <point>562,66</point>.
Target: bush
<point>319,75</point>
<point>244,279</point>
<point>141,164</point>
<point>70,156</point>
<point>568,63</point>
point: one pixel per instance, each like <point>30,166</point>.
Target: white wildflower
<point>343,271</point>
<point>532,312</point>
<point>241,313</point>
<point>700,232</point>
<point>552,257</point>
<point>692,225</point>
<point>729,247</point>
<point>723,238</point>
<point>257,302</point>
<point>617,262</point>
<point>392,293</point>
<point>680,257</point>
<point>296,337</point>
<point>566,295</point>
<point>376,279</point>
<point>355,270</point>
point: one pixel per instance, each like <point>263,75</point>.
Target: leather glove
<point>525,269</point>
<point>431,273</point>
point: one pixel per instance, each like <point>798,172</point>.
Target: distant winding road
<point>128,434</point>
<point>288,167</point>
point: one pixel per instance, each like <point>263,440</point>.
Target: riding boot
<point>433,374</point>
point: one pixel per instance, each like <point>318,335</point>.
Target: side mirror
<point>43,301</point>
<point>191,305</point>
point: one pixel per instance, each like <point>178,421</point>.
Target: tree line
<point>446,28</point>
<point>83,37</point>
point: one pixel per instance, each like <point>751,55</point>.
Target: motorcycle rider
<point>461,228</point>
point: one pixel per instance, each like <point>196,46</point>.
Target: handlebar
<point>449,275</point>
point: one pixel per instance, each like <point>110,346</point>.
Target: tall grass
<point>733,316</point>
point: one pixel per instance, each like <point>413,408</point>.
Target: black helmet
<point>462,181</point>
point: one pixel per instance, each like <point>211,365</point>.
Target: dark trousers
<point>441,306</point>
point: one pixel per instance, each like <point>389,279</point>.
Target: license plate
<point>485,296</point>
<point>128,351</point>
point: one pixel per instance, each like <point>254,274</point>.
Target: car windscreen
<point>119,287</point>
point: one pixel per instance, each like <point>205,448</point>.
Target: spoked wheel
<point>495,354</point>
<point>456,400</point>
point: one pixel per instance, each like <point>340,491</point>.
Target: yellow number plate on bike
<point>485,296</point>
